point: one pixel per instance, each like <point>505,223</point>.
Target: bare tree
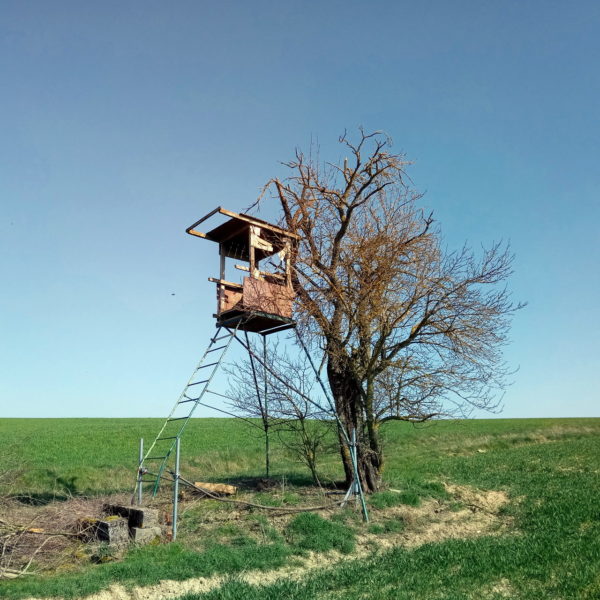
<point>409,331</point>
<point>284,406</point>
<point>247,397</point>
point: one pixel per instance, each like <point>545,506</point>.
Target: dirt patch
<point>476,514</point>
<point>491,501</point>
<point>472,513</point>
<point>162,591</point>
<point>499,589</point>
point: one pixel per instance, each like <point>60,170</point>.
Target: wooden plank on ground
<point>217,488</point>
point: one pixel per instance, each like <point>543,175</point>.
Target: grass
<point>548,467</point>
<point>386,526</point>
<point>556,553</point>
<point>387,499</point>
<point>149,565</point>
<point>309,531</point>
<point>90,456</point>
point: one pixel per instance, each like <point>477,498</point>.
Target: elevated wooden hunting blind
<point>263,301</point>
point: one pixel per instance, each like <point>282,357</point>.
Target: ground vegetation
<point>473,509</point>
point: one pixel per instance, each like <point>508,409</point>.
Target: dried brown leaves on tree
<point>409,331</point>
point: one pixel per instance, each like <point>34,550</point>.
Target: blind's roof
<point>233,233</point>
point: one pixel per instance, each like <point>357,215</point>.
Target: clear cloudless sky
<point>123,122</point>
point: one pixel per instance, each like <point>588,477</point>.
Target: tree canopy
<point>409,331</point>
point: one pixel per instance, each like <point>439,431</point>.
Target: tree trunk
<point>348,401</point>
<point>369,468</point>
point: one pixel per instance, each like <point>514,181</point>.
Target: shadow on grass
<point>271,483</point>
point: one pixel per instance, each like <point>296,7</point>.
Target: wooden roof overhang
<point>233,234</point>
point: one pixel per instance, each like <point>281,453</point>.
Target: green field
<point>548,469</point>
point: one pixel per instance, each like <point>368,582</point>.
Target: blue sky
<point>123,122</point>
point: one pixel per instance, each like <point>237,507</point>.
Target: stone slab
<point>145,535</point>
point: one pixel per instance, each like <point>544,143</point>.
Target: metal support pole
<point>140,472</point>
<point>345,434</point>
<point>176,488</point>
<point>353,486</point>
<point>262,401</point>
<point>266,404</point>
<point>355,489</point>
<point>350,441</point>
<point>358,486</point>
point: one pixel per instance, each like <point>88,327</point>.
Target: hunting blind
<point>262,304</point>
<point>263,301</point>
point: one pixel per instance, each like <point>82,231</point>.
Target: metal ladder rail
<point>191,379</point>
<point>183,399</point>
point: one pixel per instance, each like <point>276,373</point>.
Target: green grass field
<point>549,469</point>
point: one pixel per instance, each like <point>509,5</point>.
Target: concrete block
<point>145,535</point>
<point>113,530</point>
<point>137,516</point>
<point>143,517</point>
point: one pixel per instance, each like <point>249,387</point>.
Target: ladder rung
<point>218,348</point>
<point>221,337</point>
<point>184,399</point>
